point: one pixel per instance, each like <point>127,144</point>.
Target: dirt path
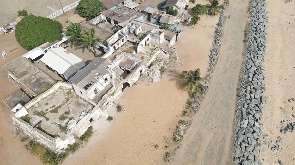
<point>279,83</point>
<point>209,138</point>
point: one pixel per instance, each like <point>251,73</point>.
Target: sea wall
<point>251,99</point>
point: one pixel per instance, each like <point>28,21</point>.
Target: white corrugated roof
<point>59,59</point>
<point>34,53</point>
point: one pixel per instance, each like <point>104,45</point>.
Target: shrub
<point>33,31</point>
<point>47,156</point>
<point>195,20</point>
<point>199,9</point>
<point>172,11</point>
<point>90,8</point>
<point>119,108</point>
<point>22,13</point>
<point>26,118</point>
<point>110,118</point>
<point>86,136</point>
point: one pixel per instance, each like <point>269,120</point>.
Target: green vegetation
<point>191,81</point>
<point>214,8</point>
<point>22,13</point>
<point>63,117</point>
<point>90,8</point>
<point>162,70</point>
<point>172,11</point>
<point>110,118</point>
<point>51,158</point>
<point>41,114</point>
<point>195,19</point>
<point>55,110</point>
<point>84,40</point>
<point>74,31</point>
<point>164,26</point>
<point>86,136</point>
<point>199,9</point>
<point>46,156</point>
<point>210,9</point>
<point>69,93</point>
<point>26,118</point>
<point>88,40</point>
<point>119,108</point>
<point>33,31</point>
<point>62,128</point>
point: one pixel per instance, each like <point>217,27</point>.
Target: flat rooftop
<point>33,78</point>
<point>16,97</point>
<point>52,113</point>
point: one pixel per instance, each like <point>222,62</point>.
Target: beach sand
<point>279,73</point>
<point>152,112</point>
<point>12,150</point>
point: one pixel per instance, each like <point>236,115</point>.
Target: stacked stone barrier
<point>251,102</point>
<point>216,44</point>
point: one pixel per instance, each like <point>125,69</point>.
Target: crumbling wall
<point>47,93</point>
<point>251,103</point>
<point>35,134</point>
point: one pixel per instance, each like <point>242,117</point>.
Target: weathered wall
<point>47,93</point>
<point>35,134</point>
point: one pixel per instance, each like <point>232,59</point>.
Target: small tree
<point>90,8</point>
<point>33,31</point>
<point>74,31</point>
<point>191,81</point>
<point>213,8</point>
<point>88,40</point>
<point>195,19</point>
<point>199,9</point>
<point>22,13</point>
<point>172,11</point>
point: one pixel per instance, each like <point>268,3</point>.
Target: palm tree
<point>213,8</point>
<point>191,81</point>
<point>74,31</point>
<point>88,40</point>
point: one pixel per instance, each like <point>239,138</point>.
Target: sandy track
<point>279,83</point>
<point>209,138</point>
<point>9,8</point>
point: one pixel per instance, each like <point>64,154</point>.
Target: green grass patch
<point>86,136</point>
<point>26,118</point>
<point>41,114</point>
<point>63,117</point>
<point>46,156</point>
<point>55,110</point>
<point>62,128</point>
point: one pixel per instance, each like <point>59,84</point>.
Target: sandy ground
<point>152,112</point>
<point>9,8</point>
<point>12,150</point>
<point>209,138</point>
<point>279,72</point>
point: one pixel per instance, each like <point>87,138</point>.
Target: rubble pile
<point>251,103</point>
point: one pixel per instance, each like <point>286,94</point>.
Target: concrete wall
<point>47,93</point>
<point>143,43</point>
<point>35,134</point>
<point>83,94</point>
<point>65,9</point>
